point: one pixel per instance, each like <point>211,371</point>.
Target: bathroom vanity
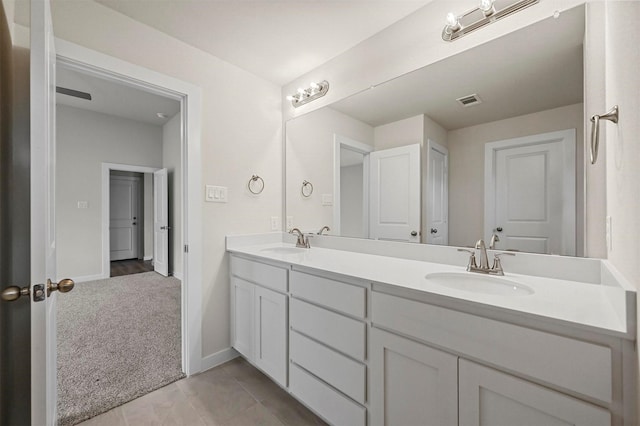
<point>366,339</point>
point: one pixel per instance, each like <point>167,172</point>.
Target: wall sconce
<point>488,11</point>
<point>315,91</point>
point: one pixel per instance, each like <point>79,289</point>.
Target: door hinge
<point>186,248</point>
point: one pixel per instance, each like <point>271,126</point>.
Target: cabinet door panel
<point>489,397</point>
<point>271,333</point>
<point>411,384</point>
<point>242,305</point>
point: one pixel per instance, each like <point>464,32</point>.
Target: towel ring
<point>252,181</point>
<point>307,188</point>
<point>612,116</point>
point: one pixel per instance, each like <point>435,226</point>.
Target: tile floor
<point>233,394</point>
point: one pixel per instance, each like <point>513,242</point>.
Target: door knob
<point>434,231</point>
<point>64,286</point>
<point>499,229</point>
<point>134,223</point>
<point>165,227</point>
<point>14,292</point>
<point>414,233</point>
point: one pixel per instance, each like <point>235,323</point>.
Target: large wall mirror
<point>486,144</point>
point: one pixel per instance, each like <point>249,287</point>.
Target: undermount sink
<point>476,283</point>
<point>284,250</point>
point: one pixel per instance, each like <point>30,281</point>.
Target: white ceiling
<point>114,98</point>
<point>278,40</point>
<point>533,69</point>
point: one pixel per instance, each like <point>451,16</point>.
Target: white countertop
<point>592,307</point>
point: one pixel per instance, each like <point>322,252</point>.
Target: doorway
<point>114,155</point>
<point>530,193</point>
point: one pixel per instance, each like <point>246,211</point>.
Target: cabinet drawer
<point>341,372</point>
<point>344,334</point>
<point>572,364</point>
<point>337,295</point>
<point>331,405</point>
<point>260,273</point>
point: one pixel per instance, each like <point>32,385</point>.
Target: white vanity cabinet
<point>490,397</point>
<point>413,383</point>
<point>259,315</point>
<point>328,347</point>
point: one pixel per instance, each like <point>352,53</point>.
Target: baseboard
<point>177,275</point>
<point>148,258</point>
<point>86,278</point>
<point>213,360</point>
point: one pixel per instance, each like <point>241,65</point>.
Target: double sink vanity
<point>372,333</point>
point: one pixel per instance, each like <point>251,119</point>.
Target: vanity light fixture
<point>313,92</point>
<point>488,11</point>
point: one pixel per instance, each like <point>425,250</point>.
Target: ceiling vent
<point>469,100</point>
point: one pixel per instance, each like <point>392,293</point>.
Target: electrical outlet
<point>83,204</point>
<point>608,232</point>
<point>327,199</point>
<point>289,223</point>
<point>275,225</point>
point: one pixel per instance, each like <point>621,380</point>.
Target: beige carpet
<point>118,339</point>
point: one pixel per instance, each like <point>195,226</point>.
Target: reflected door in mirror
<point>395,194</point>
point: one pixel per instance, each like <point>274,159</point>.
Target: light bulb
<point>290,98</point>
<point>314,85</point>
<point>301,90</point>
<point>486,6</point>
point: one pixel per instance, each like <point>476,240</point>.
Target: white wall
<point>309,150</point>
<point>408,131</point>
<point>85,140</point>
<point>241,136</point>
<point>622,143</point>
<point>351,201</point>
<point>171,158</point>
<point>466,164</point>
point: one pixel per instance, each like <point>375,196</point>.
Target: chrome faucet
<point>494,239</point>
<point>324,228</point>
<point>495,269</point>
<point>484,260</point>
<point>302,242</point>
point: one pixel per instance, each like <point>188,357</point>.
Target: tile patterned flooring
<point>233,394</point>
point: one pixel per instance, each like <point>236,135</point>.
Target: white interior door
<point>124,195</point>
<point>43,245</point>
<point>395,194</point>
<point>438,194</point>
<point>161,222</point>
<point>530,198</point>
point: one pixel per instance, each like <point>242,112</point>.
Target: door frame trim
<point>569,221</point>
<point>98,64</point>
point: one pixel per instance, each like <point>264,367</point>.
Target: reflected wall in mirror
<point>485,144</point>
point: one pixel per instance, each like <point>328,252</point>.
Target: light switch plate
<point>289,223</point>
<point>327,199</point>
<point>83,204</point>
<point>215,194</point>
<point>275,223</point>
